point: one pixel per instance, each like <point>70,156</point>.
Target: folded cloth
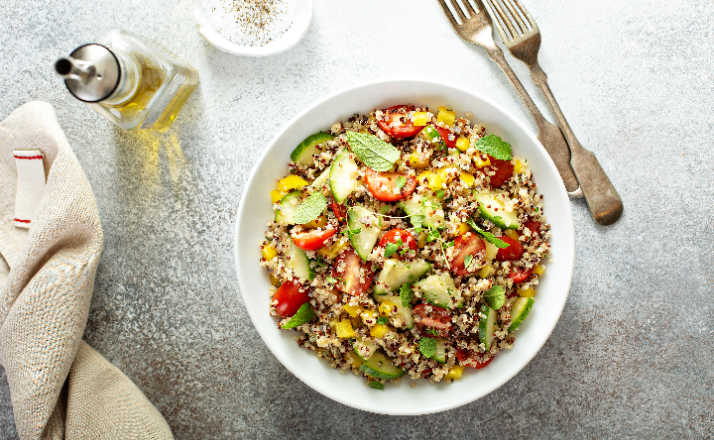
<point>59,386</point>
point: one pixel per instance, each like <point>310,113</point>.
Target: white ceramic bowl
<point>301,12</point>
<point>401,399</point>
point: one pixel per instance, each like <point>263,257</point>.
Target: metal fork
<point>475,27</point>
<point>521,36</point>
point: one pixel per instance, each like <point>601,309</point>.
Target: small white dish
<point>402,399</point>
<point>301,12</point>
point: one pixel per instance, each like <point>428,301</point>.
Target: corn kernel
<point>467,179</point>
<point>539,269</point>
<point>335,249</point>
<point>463,143</point>
<point>276,195</point>
<point>290,182</point>
<point>420,119</point>
<point>353,311</point>
<point>486,271</point>
<point>369,316</point>
<point>512,234</point>
<point>455,372</point>
<point>463,228</point>
<point>417,160</point>
<point>386,308</point>
<point>446,116</point>
<point>518,167</point>
<point>481,160</point>
<point>344,329</point>
<point>528,292</point>
<point>269,252</point>
<point>378,331</point>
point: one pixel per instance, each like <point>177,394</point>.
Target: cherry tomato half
<point>339,210</point>
<point>504,171</point>
<point>289,298</point>
<point>312,239</point>
<point>385,186</point>
<point>467,359</point>
<point>466,244</point>
<point>533,225</point>
<point>445,134</point>
<point>512,252</point>
<point>354,276</point>
<point>396,234</point>
<point>396,122</point>
<point>520,275</point>
<point>438,319</point>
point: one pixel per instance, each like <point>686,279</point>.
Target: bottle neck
<point>129,79</point>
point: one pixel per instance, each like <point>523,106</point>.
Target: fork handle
<point>603,200</point>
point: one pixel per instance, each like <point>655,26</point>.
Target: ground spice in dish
<point>250,22</point>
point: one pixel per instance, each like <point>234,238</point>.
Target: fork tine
<point>448,13</point>
<point>469,7</point>
<point>503,22</point>
<point>527,15</point>
<point>458,10</point>
<point>515,15</point>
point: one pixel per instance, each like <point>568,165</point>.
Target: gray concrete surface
<point>632,354</point>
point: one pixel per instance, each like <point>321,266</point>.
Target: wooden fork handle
<point>603,200</point>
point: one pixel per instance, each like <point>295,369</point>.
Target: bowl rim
<point>569,259</point>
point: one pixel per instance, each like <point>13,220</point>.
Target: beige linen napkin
<point>60,387</point>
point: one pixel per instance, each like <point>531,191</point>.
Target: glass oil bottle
<point>131,83</point>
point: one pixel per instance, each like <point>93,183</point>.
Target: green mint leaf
<point>427,347</point>
<point>310,208</point>
<point>468,259</point>
<point>440,194</point>
<point>383,320</point>
<point>447,244</point>
<point>406,294</point>
<point>487,235</point>
<point>495,147</point>
<point>432,332</point>
<point>374,152</point>
<point>390,249</point>
<point>433,235</point>
<point>401,181</point>
<point>417,220</point>
<point>304,314</point>
<point>376,385</point>
<point>495,297</point>
<point>330,280</point>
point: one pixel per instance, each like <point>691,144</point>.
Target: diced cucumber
<point>440,355</point>
<point>367,223</point>
<point>321,180</point>
<point>285,211</point>
<point>487,326</point>
<point>424,210</point>
<point>302,154</point>
<point>381,367</point>
<point>343,176</point>
<point>365,349</point>
<point>299,263</point>
<point>521,307</point>
<point>303,315</point>
<point>395,273</point>
<point>491,206</point>
<point>439,289</point>
<point>404,313</point>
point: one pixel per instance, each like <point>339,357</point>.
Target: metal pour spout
<point>72,68</point>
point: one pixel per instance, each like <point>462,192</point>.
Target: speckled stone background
<point>632,354</point>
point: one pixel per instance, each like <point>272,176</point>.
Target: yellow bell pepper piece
<point>463,228</point>
<point>467,179</point>
<point>539,270</point>
<point>276,195</point>
<point>528,292</point>
<point>433,180</point>
<point>420,119</point>
<point>463,143</point>
<point>344,329</point>
<point>486,271</point>
<point>353,311</point>
<point>378,331</point>
<point>335,249</point>
<point>511,233</point>
<point>519,167</point>
<point>446,116</point>
<point>269,252</point>
<point>275,281</point>
<point>455,372</point>
<point>369,317</point>
<point>317,223</point>
<point>386,308</point>
<point>417,160</point>
<point>291,182</point>
<point>482,160</point>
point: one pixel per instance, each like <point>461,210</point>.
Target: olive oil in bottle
<point>129,82</point>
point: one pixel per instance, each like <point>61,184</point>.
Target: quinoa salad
<point>407,241</point>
